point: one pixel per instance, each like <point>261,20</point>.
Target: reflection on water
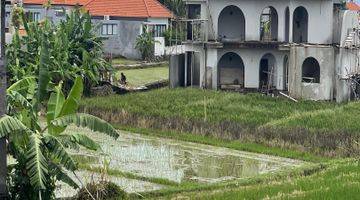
<point>177,161</point>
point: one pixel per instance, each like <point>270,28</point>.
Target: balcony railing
<point>189,30</point>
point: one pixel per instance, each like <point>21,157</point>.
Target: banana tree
<point>41,150</point>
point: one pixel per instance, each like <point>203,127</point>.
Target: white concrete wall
<point>320,17</point>
<point>159,41</point>
<point>347,60</point>
<point>313,91</point>
<point>251,59</point>
<point>159,46</point>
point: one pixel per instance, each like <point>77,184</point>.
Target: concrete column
<point>252,26</point>
<point>212,67</point>
<point>281,25</point>
<point>291,10</point>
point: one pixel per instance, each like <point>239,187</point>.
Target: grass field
<point>140,77</point>
<point>250,110</point>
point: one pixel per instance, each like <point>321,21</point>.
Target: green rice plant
<point>339,180</point>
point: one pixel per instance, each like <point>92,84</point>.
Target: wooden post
<point>3,163</point>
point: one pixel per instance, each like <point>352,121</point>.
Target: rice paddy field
<point>341,180</point>
<point>324,134</point>
<point>193,104</point>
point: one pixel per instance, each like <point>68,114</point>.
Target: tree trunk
<point>3,163</point>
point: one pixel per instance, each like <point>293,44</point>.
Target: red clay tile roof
<point>116,8</point>
<point>128,8</point>
<point>352,6</point>
<point>57,2</point>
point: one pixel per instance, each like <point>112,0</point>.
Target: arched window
<point>269,24</point>
<point>300,25</point>
<point>231,70</point>
<point>231,24</point>
<point>311,71</point>
<point>267,72</point>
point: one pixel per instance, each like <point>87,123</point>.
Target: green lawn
<point>140,77</point>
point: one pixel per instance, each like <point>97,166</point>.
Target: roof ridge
<point>147,8</point>
<point>87,3</point>
<point>166,8</point>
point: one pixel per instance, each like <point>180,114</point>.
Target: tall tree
<point>3,164</point>
<point>176,6</point>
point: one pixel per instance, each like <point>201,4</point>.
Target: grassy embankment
<point>317,127</point>
<point>340,180</point>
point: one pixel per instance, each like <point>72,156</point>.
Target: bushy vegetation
<point>102,190</point>
<point>40,64</point>
<point>145,44</point>
<point>74,49</point>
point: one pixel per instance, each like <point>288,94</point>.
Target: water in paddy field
<point>179,161</point>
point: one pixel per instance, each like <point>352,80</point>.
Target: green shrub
<point>145,43</point>
<point>73,46</point>
<point>102,190</point>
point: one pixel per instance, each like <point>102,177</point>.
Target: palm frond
<point>63,176</point>
<point>25,87</point>
<point>36,162</point>
<point>55,105</point>
<point>44,77</point>
<point>68,142</point>
<point>17,98</point>
<point>85,141</point>
<point>9,125</point>
<point>59,152</point>
<point>87,121</point>
<point>71,104</point>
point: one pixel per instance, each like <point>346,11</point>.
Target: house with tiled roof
<point>121,21</point>
<point>353,6</point>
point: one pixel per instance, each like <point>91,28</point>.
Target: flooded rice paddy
<point>177,160</point>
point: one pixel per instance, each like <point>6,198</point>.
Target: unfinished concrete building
<point>309,49</point>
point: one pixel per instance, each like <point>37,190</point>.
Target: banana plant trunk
<point>3,164</point>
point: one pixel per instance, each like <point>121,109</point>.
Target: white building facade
<point>305,48</point>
